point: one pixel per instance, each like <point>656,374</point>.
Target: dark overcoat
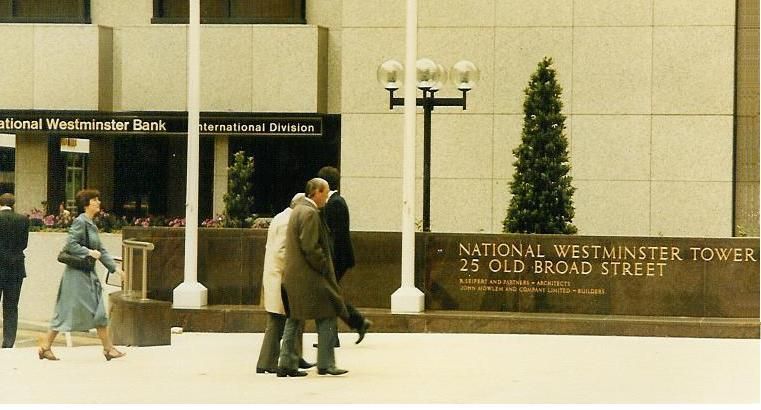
<point>14,237</point>
<point>309,280</point>
<point>337,217</point>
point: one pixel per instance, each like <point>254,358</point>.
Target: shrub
<point>541,189</point>
<point>239,197</point>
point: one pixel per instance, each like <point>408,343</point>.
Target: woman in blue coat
<point>79,305</point>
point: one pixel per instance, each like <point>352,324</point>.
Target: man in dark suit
<point>336,214</point>
<point>14,236</point>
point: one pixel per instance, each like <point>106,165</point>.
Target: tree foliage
<point>541,188</point>
<point>239,199</point>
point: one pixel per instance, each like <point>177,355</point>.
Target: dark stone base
<point>135,322</point>
<point>148,323</point>
<point>251,319</point>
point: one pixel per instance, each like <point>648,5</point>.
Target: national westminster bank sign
<point>84,123</point>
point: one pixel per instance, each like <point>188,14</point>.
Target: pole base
<point>189,295</point>
<point>407,299</point>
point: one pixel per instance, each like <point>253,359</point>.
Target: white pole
<point>190,293</point>
<point>409,299</point>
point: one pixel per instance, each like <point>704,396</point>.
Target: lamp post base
<point>407,299</point>
<point>189,295</point>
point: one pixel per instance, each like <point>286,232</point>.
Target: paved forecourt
<point>395,368</point>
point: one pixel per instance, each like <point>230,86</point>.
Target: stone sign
<point>649,276</point>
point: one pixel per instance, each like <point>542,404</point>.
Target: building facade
<point>660,99</point>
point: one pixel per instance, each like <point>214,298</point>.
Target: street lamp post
<point>430,78</point>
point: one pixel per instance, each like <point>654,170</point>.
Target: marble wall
<point>648,94</point>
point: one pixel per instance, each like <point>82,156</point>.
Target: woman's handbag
<point>85,264</point>
<point>115,278</point>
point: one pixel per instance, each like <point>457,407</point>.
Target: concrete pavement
<point>395,368</point>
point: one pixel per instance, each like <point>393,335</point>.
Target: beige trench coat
<point>309,278</point>
<point>274,262</point>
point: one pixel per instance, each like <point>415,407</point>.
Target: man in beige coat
<point>272,277</point>
<point>310,283</point>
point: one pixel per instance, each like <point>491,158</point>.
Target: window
<point>75,177</point>
<point>232,11</point>
<point>45,11</point>
<point>164,192</point>
<point>282,166</point>
<point>7,169</point>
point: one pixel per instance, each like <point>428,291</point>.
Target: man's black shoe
<point>303,364</point>
<point>363,329</point>
<point>265,370</point>
<point>338,344</point>
<point>333,371</point>
<point>281,372</point>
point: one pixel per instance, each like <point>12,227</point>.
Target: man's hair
<point>331,175</point>
<point>314,185</point>
<point>7,199</point>
<point>84,196</point>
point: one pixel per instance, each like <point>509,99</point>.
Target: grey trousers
<point>273,333</point>
<point>326,339</point>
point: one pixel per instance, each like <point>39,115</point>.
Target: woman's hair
<point>84,196</point>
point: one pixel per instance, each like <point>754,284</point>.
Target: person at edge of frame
<point>14,238</point>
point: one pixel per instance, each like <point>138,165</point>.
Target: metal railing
<point>128,248</point>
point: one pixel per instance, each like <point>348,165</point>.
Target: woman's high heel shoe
<point>112,354</point>
<point>46,353</point>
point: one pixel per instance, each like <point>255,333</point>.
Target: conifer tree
<point>541,187</point>
<point>239,198</point>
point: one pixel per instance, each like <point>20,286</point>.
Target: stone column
<point>746,120</point>
<point>221,155</point>
<point>31,175</point>
<point>100,170</point>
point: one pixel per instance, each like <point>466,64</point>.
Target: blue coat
<point>79,305</point>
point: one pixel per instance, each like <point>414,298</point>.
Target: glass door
<point>75,177</point>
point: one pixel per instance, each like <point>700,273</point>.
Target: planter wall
<point>230,263</point>
<point>685,277</point>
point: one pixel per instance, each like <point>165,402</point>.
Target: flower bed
<point>108,222</point>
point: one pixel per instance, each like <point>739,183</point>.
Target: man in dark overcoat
<point>14,237</point>
<point>310,285</point>
<point>336,214</point>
